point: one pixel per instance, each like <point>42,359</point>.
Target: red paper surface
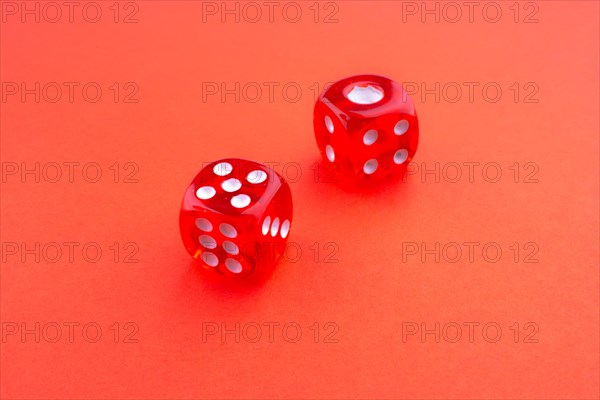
<point>370,300</point>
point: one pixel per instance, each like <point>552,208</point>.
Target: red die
<point>235,217</point>
<point>367,126</point>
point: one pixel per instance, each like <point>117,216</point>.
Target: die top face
<point>363,97</point>
<point>233,187</point>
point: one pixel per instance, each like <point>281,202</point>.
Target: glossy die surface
<point>235,217</point>
<point>367,126</point>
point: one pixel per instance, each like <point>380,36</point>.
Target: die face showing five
<point>235,217</point>
<point>367,126</point>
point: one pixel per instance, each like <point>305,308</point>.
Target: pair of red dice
<point>236,214</point>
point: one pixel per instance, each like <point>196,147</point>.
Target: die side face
<point>367,126</point>
<point>223,215</point>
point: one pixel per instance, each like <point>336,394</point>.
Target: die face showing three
<point>236,216</point>
<point>367,126</point>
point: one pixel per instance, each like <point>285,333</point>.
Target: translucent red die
<point>236,216</point>
<point>367,126</point>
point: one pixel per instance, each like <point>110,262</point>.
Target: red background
<point>370,289</point>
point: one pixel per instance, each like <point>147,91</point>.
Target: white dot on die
<point>370,166</point>
<point>329,124</point>
<point>365,95</point>
<point>370,137</point>
<point>265,226</point>
<point>330,153</point>
<point>231,185</point>
<point>257,176</point>
<point>230,248</point>
<point>240,201</point>
<point>400,156</point>
<point>204,225</point>
<point>205,192</point>
<point>228,230</point>
<point>275,227</point>
<point>222,169</point>
<point>285,228</point>
<point>210,259</point>
<point>207,241</point>
<point>401,127</point>
<point>233,265</point>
